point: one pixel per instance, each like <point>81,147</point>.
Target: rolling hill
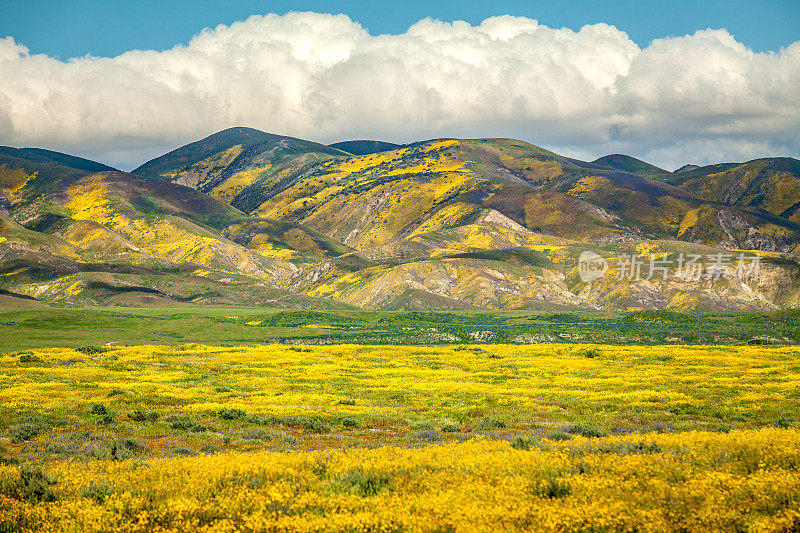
<point>630,164</point>
<point>771,184</point>
<point>248,217</point>
<point>226,164</point>
<point>364,147</point>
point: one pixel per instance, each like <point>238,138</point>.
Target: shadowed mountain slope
<point>364,147</point>
<point>40,155</point>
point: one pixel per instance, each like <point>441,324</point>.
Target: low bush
<point>91,350</point>
<point>182,452</point>
<point>350,423</point>
<point>104,419</point>
<point>585,430</point>
<point>559,435</point>
<point>315,425</point>
<point>29,485</point>
<point>185,423</point>
<point>29,358</point>
<point>426,435</point>
<point>491,423</point>
<point>231,414</point>
<point>552,486</point>
<point>139,415</point>
<point>26,432</point>
<point>98,491</point>
<point>521,442</point>
<point>98,409</point>
<point>363,482</point>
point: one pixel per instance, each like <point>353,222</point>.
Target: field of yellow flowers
<point>392,438</point>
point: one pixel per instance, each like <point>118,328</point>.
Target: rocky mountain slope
<point>771,184</point>
<point>249,217</point>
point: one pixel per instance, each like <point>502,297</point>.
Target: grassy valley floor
<point>45,326</point>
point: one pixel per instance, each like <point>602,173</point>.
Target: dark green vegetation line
<point>71,327</point>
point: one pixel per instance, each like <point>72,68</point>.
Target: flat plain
<point>557,436</point>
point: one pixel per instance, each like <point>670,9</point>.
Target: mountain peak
<point>364,146</point>
<point>630,164</point>
<point>686,168</point>
<point>227,145</point>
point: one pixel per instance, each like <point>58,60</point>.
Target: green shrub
<point>629,448</point>
<point>552,486</point>
<point>139,415</point>
<point>186,423</point>
<point>363,482</point>
<point>116,449</point>
<point>182,452</point>
<point>98,491</point>
<point>521,442</point>
<point>7,459</point>
<point>104,419</point>
<point>585,430</point>
<point>785,422</point>
<point>210,449</point>
<point>427,435</point>
<point>29,358</point>
<point>255,434</point>
<point>451,427</point>
<point>26,432</point>
<point>116,392</point>
<point>591,353</point>
<point>314,425</point>
<point>29,485</point>
<point>559,435</point>
<point>491,423</point>
<point>346,402</point>
<point>231,414</point>
<point>91,350</point>
<point>98,409</point>
<point>350,423</point>
<point>261,420</point>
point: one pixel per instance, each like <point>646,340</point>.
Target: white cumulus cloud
<point>699,98</point>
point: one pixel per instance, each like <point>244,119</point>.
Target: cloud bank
<point>699,98</point>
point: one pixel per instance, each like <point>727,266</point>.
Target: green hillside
<point>364,147</point>
<point>40,155</point>
<point>630,164</point>
<point>771,184</point>
<point>246,217</point>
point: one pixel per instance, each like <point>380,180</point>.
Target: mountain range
<point>252,218</point>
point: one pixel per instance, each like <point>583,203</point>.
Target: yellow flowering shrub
<point>743,480</point>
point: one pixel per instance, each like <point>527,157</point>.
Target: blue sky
<point>668,82</point>
<point>106,28</point>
